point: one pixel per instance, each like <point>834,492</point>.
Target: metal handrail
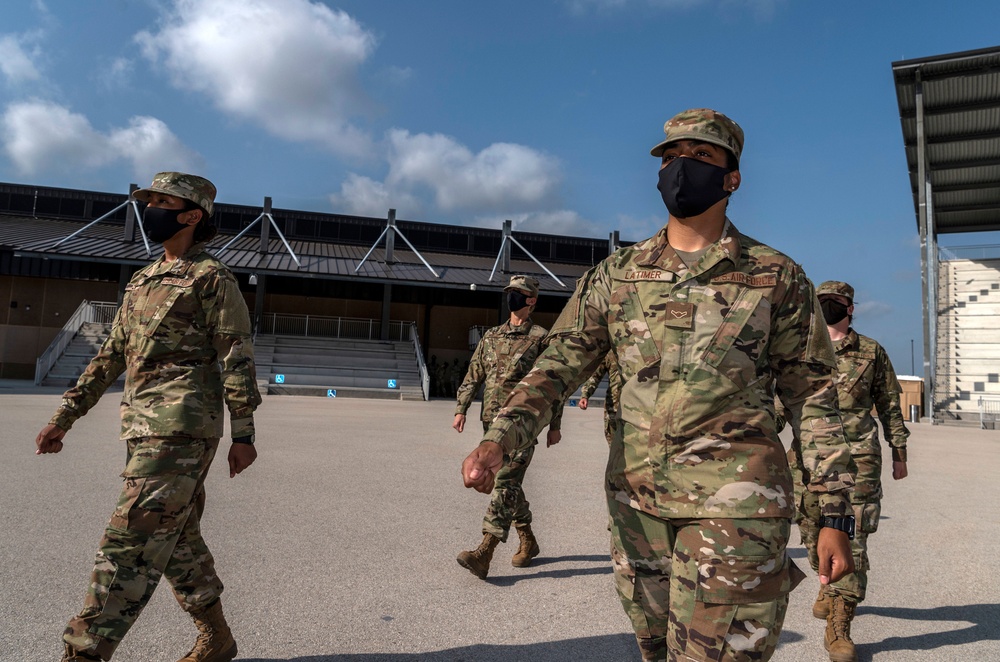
<point>317,326</point>
<point>102,312</point>
<point>425,376</point>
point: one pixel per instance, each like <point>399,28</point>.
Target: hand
<point>49,440</point>
<point>481,467</point>
<point>899,470</point>
<point>241,456</point>
<point>552,438</point>
<point>834,550</point>
<point>459,423</point>
<point>582,404</point>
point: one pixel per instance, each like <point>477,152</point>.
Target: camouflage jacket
<point>503,356</point>
<point>609,367</point>
<point>866,380</point>
<point>182,337</point>
<point>700,351</point>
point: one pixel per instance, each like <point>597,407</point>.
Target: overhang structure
<point>949,109</point>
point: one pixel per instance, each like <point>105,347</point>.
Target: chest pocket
<point>741,340</point>
<point>855,380</point>
<point>630,334</point>
<point>167,313</point>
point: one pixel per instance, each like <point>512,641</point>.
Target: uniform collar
<point>850,341</point>
<point>660,254</point>
<point>181,264</point>
<point>524,328</point>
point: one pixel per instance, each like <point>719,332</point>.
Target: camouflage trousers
<point>508,504</point>
<point>705,589</point>
<point>866,501</point>
<point>155,530</point>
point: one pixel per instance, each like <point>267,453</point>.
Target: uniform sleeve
<point>591,384</point>
<point>886,396</point>
<point>474,378</point>
<point>804,364</point>
<point>577,342</point>
<point>101,373</point>
<point>229,326</point>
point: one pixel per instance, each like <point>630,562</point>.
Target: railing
<point>475,335</point>
<point>989,412</point>
<point>425,376</point>
<point>347,328</point>
<point>100,312</point>
<point>985,252</point>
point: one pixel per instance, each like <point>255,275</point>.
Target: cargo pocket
<point>170,456</point>
<point>866,516</point>
<point>745,579</point>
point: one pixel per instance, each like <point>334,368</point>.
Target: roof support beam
<point>926,260</point>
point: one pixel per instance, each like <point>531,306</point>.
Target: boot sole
<point>468,566</point>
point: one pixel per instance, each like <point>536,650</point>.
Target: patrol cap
<point>836,287</point>
<point>527,284</point>
<point>180,185</point>
<point>703,124</point>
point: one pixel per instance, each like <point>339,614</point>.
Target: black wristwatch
<point>248,440</point>
<point>845,524</point>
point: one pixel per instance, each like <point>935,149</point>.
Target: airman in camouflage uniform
<point>503,356</point>
<point>612,396</point>
<point>703,322</point>
<point>865,381</point>
<point>182,338</point>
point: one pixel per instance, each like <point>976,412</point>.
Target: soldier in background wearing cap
<point>865,381</point>
<point>503,356</point>
<point>182,338</point>
<point>704,323</point>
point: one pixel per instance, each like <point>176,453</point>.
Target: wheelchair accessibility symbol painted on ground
<point>391,383</point>
<point>279,379</point>
<point>331,393</point>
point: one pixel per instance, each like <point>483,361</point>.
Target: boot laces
<point>842,615</point>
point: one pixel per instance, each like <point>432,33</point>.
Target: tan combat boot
<point>71,654</point>
<point>838,631</point>
<point>528,548</point>
<point>821,608</point>
<point>478,560</point>
<point>215,642</point>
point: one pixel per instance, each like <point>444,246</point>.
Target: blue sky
<point>469,113</point>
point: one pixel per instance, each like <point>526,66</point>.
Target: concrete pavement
<point>340,544</point>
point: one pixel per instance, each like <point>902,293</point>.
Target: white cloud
<point>362,196</point>
<point>503,176</point>
<point>290,66</point>
<point>116,74</point>
<point>16,63</point>
<point>870,310</point>
<point>560,222</point>
<point>40,135</point>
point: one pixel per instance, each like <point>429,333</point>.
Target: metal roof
<point>105,243</point>
<point>961,125</point>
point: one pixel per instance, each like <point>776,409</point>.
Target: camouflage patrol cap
<point>836,287</point>
<point>527,284</point>
<point>178,184</point>
<point>703,124</point>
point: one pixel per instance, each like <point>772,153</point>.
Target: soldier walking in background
<point>182,338</point>
<point>503,356</point>
<point>866,380</point>
<point>612,396</point>
<point>703,322</point>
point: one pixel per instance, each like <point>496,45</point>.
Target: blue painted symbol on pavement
<point>392,383</point>
<point>572,403</point>
<point>279,379</point>
<point>331,393</point>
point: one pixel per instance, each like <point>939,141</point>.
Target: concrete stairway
<point>74,360</point>
<point>295,365</point>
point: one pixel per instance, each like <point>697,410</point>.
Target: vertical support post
<point>258,302</point>
<point>390,238</point>
<point>925,262</point>
<point>130,216</point>
<point>124,276</point>
<point>505,263</point>
<point>386,305</point>
<point>614,242</point>
<point>265,228</point>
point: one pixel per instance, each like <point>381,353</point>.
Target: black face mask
<point>833,311</point>
<point>689,186</point>
<point>161,224</point>
<point>516,300</point>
